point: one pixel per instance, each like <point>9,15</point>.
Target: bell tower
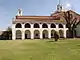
<point>19,12</point>
<point>59,6</point>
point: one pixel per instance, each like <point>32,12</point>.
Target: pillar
<point>32,34</point>
<point>64,26</point>
<point>41,31</point>
<point>23,32</point>
<point>40,25</point>
<point>49,26</point>
<point>64,30</point>
<point>32,31</point>
<point>23,26</point>
<point>32,25</point>
<point>23,35</point>
<point>49,32</point>
<point>57,27</point>
<point>41,34</point>
<point>13,32</point>
<point>64,33</point>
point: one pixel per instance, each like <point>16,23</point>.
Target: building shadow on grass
<point>51,40</point>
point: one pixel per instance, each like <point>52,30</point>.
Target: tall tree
<point>71,22</point>
<point>9,30</point>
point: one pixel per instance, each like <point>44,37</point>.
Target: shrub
<point>56,36</point>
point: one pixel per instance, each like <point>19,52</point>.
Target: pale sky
<point>8,8</point>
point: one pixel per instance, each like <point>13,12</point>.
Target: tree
<point>9,30</point>
<point>71,22</point>
<point>56,36</point>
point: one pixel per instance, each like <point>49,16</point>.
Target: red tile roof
<point>38,17</point>
<point>54,17</point>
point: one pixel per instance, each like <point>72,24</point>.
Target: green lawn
<point>64,49</point>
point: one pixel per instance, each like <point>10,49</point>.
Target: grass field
<point>64,49</point>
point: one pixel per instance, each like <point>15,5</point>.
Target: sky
<point>9,8</point>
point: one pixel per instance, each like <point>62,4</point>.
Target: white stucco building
<point>39,27</point>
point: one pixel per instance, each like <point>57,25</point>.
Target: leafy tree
<point>9,29</point>
<point>9,32</point>
<point>71,22</point>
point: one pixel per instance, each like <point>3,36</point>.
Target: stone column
<point>64,30</point>
<point>64,26</point>
<point>32,25</point>
<point>13,32</point>
<point>41,34</point>
<point>41,31</point>
<point>49,35</point>
<point>23,26</point>
<point>32,34</point>
<point>23,35</point>
<point>23,32</point>
<point>49,31</point>
<point>64,33</point>
<point>32,31</point>
<point>40,25</point>
<point>57,27</point>
<point>49,25</point>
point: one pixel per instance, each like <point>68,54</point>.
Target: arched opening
<point>61,33</point>
<point>60,26</point>
<point>18,25</point>
<point>27,25</point>
<point>52,33</point>
<point>18,34</point>
<point>36,25</point>
<point>53,25</point>
<point>45,34</point>
<point>27,34</point>
<point>44,25</point>
<point>36,34</point>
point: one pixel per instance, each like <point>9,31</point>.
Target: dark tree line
<point>6,35</point>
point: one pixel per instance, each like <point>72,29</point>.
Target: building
<point>40,27</point>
